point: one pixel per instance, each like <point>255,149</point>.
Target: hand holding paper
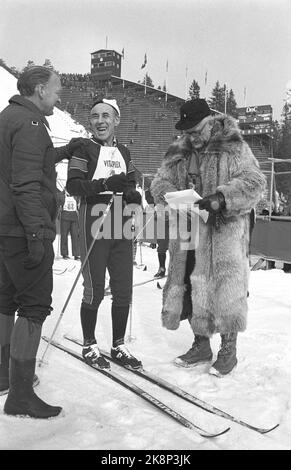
<point>178,200</point>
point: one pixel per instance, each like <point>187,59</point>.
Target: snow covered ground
<point>100,414</point>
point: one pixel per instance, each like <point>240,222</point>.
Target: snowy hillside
<point>100,414</point>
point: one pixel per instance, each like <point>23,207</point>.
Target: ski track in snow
<point>100,414</point>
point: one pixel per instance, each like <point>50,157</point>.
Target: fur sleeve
<point>247,183</point>
<point>172,175</point>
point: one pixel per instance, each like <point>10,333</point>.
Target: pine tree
<point>194,90</point>
<point>231,106</point>
<point>216,101</point>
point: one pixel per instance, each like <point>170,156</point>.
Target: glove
<point>75,144</point>
<point>115,183</point>
<point>35,253</point>
<point>132,197</point>
<point>213,203</point>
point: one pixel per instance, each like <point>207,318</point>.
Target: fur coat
<point>219,280</point>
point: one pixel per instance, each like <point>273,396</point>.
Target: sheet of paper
<point>178,199</point>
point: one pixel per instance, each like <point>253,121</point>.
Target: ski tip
<point>266,431</point>
<point>215,435</point>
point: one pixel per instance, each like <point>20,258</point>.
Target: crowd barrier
<point>271,238</point>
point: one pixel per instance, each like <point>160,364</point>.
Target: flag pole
<point>145,80</point>
<point>144,66</point>
<point>122,59</point>
<point>205,83</point>
<point>167,69</point>
<point>186,83</point>
<point>245,97</point>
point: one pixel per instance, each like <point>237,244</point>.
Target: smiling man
<point>100,168</point>
<point>104,118</point>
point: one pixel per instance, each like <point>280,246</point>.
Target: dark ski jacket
<point>27,171</point>
<point>82,167</point>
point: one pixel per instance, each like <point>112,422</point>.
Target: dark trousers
<point>26,290</point>
<point>116,256</point>
<point>70,227</point>
<point>113,254</point>
<point>163,243</point>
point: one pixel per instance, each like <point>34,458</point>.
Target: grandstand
<point>149,115</point>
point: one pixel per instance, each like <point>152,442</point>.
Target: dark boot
<point>226,357</point>
<point>6,327</point>
<point>21,398</point>
<point>4,370</point>
<point>4,367</point>
<point>199,353</point>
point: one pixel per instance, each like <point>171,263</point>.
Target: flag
<point>122,53</point>
<point>144,62</point>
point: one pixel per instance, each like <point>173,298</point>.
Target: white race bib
<point>70,204</point>
<point>110,162</point>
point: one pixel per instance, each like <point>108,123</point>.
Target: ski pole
<point>77,278</point>
<point>140,253</point>
<point>144,226</point>
<point>140,243</point>
<point>130,337</point>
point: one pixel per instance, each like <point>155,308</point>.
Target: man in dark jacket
<point>27,230</point>
<point>97,171</point>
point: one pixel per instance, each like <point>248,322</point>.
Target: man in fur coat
<point>211,153</point>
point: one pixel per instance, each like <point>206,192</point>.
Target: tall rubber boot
<point>21,399</point>
<point>199,353</point>
<point>4,367</point>
<point>6,327</point>
<point>226,357</point>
